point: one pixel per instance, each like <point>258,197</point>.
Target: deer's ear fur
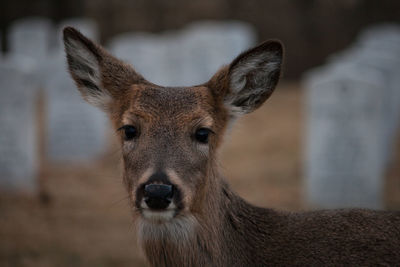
<point>99,76</point>
<point>250,79</point>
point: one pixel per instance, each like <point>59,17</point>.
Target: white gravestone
<point>18,138</point>
<point>208,45</point>
<point>76,132</point>
<point>353,111</point>
<point>148,53</point>
<point>31,37</point>
<point>29,43</point>
<point>344,140</point>
<point>384,39</point>
<point>187,57</point>
<point>381,35</point>
<point>385,62</point>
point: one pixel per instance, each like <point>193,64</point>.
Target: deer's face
<point>169,135</point>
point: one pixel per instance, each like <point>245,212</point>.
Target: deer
<point>184,210</point>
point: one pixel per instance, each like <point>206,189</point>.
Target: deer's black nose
<point>158,196</point>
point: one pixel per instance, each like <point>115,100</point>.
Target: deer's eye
<point>201,135</point>
<point>130,132</point>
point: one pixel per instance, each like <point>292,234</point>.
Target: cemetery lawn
<point>82,218</point>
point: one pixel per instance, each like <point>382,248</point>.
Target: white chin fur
<point>178,229</point>
<point>158,216</point>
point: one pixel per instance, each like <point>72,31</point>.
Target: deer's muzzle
<point>158,198</point>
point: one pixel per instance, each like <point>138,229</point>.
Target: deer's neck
<point>221,234</point>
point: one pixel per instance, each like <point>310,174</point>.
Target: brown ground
<point>85,221</point>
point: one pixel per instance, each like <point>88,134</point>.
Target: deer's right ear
<point>250,79</point>
<point>99,76</point>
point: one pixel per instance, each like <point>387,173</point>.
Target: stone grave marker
<point>344,137</point>
<point>385,62</point>
<point>148,53</point>
<point>187,57</point>
<point>31,37</point>
<point>29,43</point>
<point>208,45</point>
<point>380,34</point>
<point>76,131</point>
<point>18,138</point>
<point>384,40</point>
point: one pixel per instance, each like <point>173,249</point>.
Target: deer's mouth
<point>158,201</point>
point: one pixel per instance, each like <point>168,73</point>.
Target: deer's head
<point>169,135</point>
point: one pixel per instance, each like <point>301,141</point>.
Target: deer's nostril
<point>158,196</point>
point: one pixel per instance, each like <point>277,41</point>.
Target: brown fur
<point>211,225</point>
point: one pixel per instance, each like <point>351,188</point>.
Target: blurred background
<point>327,138</point>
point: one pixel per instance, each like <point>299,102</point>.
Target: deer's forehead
<point>169,103</point>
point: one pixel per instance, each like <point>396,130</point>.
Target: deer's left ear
<point>250,79</point>
<point>100,77</point>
